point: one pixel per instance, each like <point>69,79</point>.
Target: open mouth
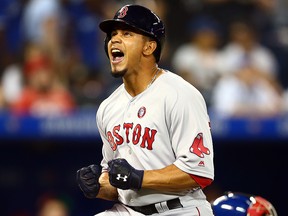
<point>117,55</point>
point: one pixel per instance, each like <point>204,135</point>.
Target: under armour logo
<point>124,178</point>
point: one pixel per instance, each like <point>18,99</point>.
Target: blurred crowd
<point>52,58</point>
<point>235,52</point>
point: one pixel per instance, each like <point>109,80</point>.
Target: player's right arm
<point>95,184</point>
<point>107,191</point>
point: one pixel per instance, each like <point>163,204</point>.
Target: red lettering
<point>127,127</point>
<point>111,141</point>
<point>116,134</point>
<point>147,138</point>
<point>115,138</point>
<point>136,134</point>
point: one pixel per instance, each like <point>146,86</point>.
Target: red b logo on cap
<point>123,12</point>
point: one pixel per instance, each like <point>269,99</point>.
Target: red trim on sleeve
<point>202,181</point>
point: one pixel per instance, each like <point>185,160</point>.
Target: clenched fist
<point>122,175</point>
<point>87,179</point>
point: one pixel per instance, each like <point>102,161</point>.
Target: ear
<point>149,47</point>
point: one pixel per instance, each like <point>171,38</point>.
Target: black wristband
<point>137,179</point>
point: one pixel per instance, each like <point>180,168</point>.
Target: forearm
<point>170,178</point>
<point>107,191</point>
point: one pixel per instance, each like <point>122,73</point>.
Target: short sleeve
<point>191,135</point>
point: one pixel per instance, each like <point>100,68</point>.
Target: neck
<point>154,77</point>
<point>139,81</point>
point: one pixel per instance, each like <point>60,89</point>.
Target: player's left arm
<point>192,144</point>
<point>122,175</point>
<point>172,179</point>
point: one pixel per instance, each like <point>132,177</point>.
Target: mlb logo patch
<point>141,112</point>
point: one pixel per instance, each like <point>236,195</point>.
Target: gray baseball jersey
<point>165,124</point>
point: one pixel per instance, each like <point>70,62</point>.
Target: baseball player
<point>241,204</point>
<point>157,145</point>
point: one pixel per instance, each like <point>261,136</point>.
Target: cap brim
<point>108,25</point>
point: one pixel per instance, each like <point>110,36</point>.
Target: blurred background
<point>54,74</point>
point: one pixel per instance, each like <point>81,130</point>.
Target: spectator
<point>2,101</point>
<point>45,22</point>
<point>246,93</point>
<point>11,43</point>
<point>42,23</point>
<point>11,38</point>
<point>83,18</point>
<point>49,205</point>
<point>43,94</point>
<point>285,96</point>
<point>84,63</point>
<point>244,48</point>
<point>198,61</point>
<point>250,87</point>
<point>281,21</point>
<point>12,83</point>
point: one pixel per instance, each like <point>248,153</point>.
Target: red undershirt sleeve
<point>202,181</point>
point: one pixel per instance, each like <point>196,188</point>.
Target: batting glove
<point>122,175</point>
<point>87,179</point>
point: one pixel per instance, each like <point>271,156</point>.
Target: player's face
<point>125,51</point>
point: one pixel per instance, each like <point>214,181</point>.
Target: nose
<point>115,38</point>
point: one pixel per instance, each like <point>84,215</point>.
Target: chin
<point>119,73</point>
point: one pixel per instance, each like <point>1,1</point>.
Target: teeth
<point>116,51</point>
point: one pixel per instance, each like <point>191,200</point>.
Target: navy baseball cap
<point>140,19</point>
